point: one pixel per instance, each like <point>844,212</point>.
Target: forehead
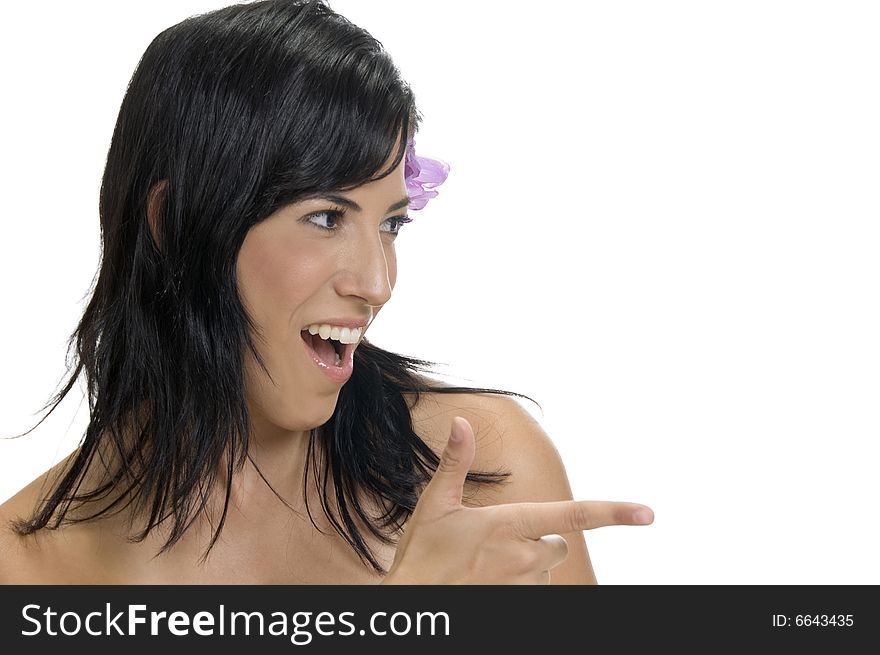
<point>385,191</point>
<point>359,200</point>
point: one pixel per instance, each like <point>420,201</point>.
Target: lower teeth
<point>338,359</point>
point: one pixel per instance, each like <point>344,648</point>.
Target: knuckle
<point>513,520</point>
<point>580,518</point>
<point>449,463</point>
<point>521,522</point>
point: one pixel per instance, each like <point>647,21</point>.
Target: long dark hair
<point>229,116</point>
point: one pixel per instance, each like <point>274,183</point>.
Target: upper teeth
<point>341,334</point>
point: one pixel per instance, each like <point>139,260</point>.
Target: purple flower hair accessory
<point>422,174</point>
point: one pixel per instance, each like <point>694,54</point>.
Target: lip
<point>339,374</point>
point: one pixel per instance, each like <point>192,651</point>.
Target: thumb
<point>445,488</point>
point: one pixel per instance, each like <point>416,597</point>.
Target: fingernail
<point>643,516</point>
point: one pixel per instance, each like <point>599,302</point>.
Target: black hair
<point>229,116</point>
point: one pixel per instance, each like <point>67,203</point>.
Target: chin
<point>314,414</point>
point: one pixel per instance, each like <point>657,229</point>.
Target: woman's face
<point>317,261</point>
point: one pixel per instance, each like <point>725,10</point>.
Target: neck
<point>279,454</point>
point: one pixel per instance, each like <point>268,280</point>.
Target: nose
<point>366,272</point>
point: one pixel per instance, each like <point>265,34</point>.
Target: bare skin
<point>293,270</point>
<point>264,542</point>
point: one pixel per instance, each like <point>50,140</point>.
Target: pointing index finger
<point>539,519</point>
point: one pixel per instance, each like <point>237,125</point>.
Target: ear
<point>155,205</point>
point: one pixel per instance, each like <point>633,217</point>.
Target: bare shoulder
<point>25,559</point>
<point>508,438</point>
<point>16,558</point>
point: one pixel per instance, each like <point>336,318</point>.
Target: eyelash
<point>337,214</point>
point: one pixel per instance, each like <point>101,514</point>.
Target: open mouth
<point>329,351</point>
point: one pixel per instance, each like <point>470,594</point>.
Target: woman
<point>259,173</point>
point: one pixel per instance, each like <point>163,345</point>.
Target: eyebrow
<point>351,204</point>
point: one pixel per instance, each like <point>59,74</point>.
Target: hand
<point>517,543</point>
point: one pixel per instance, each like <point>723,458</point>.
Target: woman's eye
<point>396,223</point>
<point>325,219</point>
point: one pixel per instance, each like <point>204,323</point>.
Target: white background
<point>661,223</point>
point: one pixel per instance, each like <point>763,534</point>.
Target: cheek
<point>275,276</point>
